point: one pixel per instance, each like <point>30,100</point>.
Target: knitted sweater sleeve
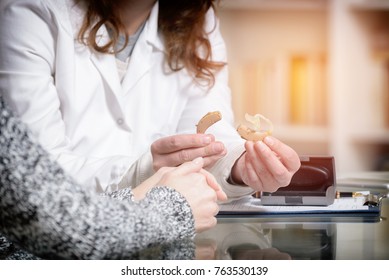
<point>47,213</point>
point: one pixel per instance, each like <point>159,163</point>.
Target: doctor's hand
<point>266,165</point>
<point>177,149</point>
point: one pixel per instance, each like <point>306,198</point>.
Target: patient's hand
<point>198,186</point>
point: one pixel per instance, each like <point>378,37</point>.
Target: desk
<point>290,238</point>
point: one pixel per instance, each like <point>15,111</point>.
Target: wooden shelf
<point>304,134</point>
<point>263,38</point>
<point>275,4</point>
<point>371,137</point>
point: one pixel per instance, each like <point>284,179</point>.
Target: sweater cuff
<point>175,209</point>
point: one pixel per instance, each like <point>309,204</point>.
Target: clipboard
<point>365,207</point>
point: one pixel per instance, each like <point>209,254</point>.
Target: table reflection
<point>264,241</point>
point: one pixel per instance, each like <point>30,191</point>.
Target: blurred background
<point>319,69</point>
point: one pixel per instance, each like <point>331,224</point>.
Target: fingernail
<point>206,140</point>
<point>261,145</point>
<point>269,140</point>
<point>198,160</point>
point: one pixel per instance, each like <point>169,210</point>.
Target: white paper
<point>251,204</point>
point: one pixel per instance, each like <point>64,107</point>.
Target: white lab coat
<point>71,97</point>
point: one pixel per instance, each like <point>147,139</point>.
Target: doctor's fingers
<point>209,161</point>
<point>272,174</point>
<point>170,144</point>
<point>211,153</point>
<point>256,174</point>
<point>286,154</point>
<point>277,173</point>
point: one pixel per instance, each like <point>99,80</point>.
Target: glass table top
<point>297,238</point>
<point>283,238</point>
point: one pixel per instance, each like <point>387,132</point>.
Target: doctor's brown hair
<point>180,21</point>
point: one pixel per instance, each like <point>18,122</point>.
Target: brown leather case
<point>312,184</point>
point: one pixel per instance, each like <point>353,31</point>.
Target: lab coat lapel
<point>139,65</point>
<point>106,64</point>
<point>141,61</point>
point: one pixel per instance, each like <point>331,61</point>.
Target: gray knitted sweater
<point>43,211</point>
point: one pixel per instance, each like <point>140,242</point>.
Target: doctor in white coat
<point>113,122</point>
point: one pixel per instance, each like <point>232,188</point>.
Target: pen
<point>347,194</point>
<point>370,199</point>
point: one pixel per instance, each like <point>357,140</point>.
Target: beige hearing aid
<point>254,131</point>
<point>208,120</point>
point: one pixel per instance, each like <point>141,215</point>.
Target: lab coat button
<point>119,121</point>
